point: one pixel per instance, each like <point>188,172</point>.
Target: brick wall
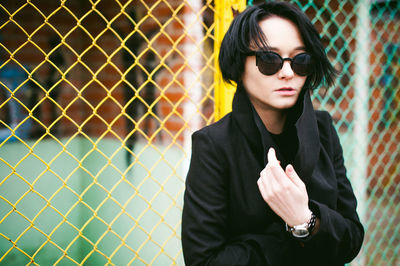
<point>91,99</point>
<point>384,106</point>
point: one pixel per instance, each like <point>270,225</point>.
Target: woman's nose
<point>286,71</point>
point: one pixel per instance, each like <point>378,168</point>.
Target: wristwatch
<point>303,230</point>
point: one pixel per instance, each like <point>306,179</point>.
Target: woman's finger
<point>291,173</point>
<point>277,171</point>
<point>272,156</point>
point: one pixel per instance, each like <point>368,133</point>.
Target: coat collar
<point>302,115</point>
<point>242,114</point>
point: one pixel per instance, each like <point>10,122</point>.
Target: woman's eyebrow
<point>299,48</point>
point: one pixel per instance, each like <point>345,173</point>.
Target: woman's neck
<point>273,120</point>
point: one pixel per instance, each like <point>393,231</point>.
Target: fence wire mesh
<point>98,100</point>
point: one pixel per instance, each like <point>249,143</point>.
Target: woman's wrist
<point>305,229</point>
<point>305,219</point>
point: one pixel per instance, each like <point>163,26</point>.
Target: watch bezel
<point>300,231</point>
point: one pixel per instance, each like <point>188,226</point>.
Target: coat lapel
<point>302,115</point>
<point>243,116</point>
<point>309,144</point>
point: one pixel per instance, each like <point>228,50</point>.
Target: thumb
<point>272,156</point>
<point>291,173</point>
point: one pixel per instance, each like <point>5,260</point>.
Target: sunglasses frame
<point>258,55</point>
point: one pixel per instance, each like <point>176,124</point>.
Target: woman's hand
<point>284,191</point>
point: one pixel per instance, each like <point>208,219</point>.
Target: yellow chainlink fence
<point>98,100</point>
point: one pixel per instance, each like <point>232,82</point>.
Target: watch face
<point>300,232</point>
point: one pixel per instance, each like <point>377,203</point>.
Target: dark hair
<point>245,29</point>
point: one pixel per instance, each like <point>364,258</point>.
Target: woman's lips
<point>286,91</point>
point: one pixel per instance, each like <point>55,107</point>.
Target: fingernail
<point>289,167</point>
<point>271,150</point>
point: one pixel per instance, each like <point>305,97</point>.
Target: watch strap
<point>309,226</point>
<point>312,222</point>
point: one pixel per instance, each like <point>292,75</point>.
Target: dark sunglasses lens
<point>268,63</point>
<point>302,64</point>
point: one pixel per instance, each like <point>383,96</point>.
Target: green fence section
<point>362,39</point>
<point>363,42</point>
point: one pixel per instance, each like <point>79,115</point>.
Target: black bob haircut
<point>245,29</point>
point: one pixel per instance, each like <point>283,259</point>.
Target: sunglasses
<point>269,63</point>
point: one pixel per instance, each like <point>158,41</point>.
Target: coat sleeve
<point>341,233</point>
<point>205,238</point>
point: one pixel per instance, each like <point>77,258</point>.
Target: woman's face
<point>278,91</point>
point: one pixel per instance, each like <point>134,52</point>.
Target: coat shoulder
<point>327,132</point>
<point>324,121</point>
<point>218,131</point>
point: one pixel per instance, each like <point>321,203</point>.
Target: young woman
<point>267,183</point>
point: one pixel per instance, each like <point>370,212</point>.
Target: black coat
<point>225,219</point>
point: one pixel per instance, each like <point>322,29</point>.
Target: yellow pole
<point>223,92</point>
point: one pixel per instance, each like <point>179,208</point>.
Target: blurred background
<point>98,100</point>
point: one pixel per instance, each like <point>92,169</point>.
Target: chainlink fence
<point>98,100</point>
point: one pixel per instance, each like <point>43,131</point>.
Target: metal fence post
<point>192,50</point>
<point>223,17</point>
<point>361,91</point>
